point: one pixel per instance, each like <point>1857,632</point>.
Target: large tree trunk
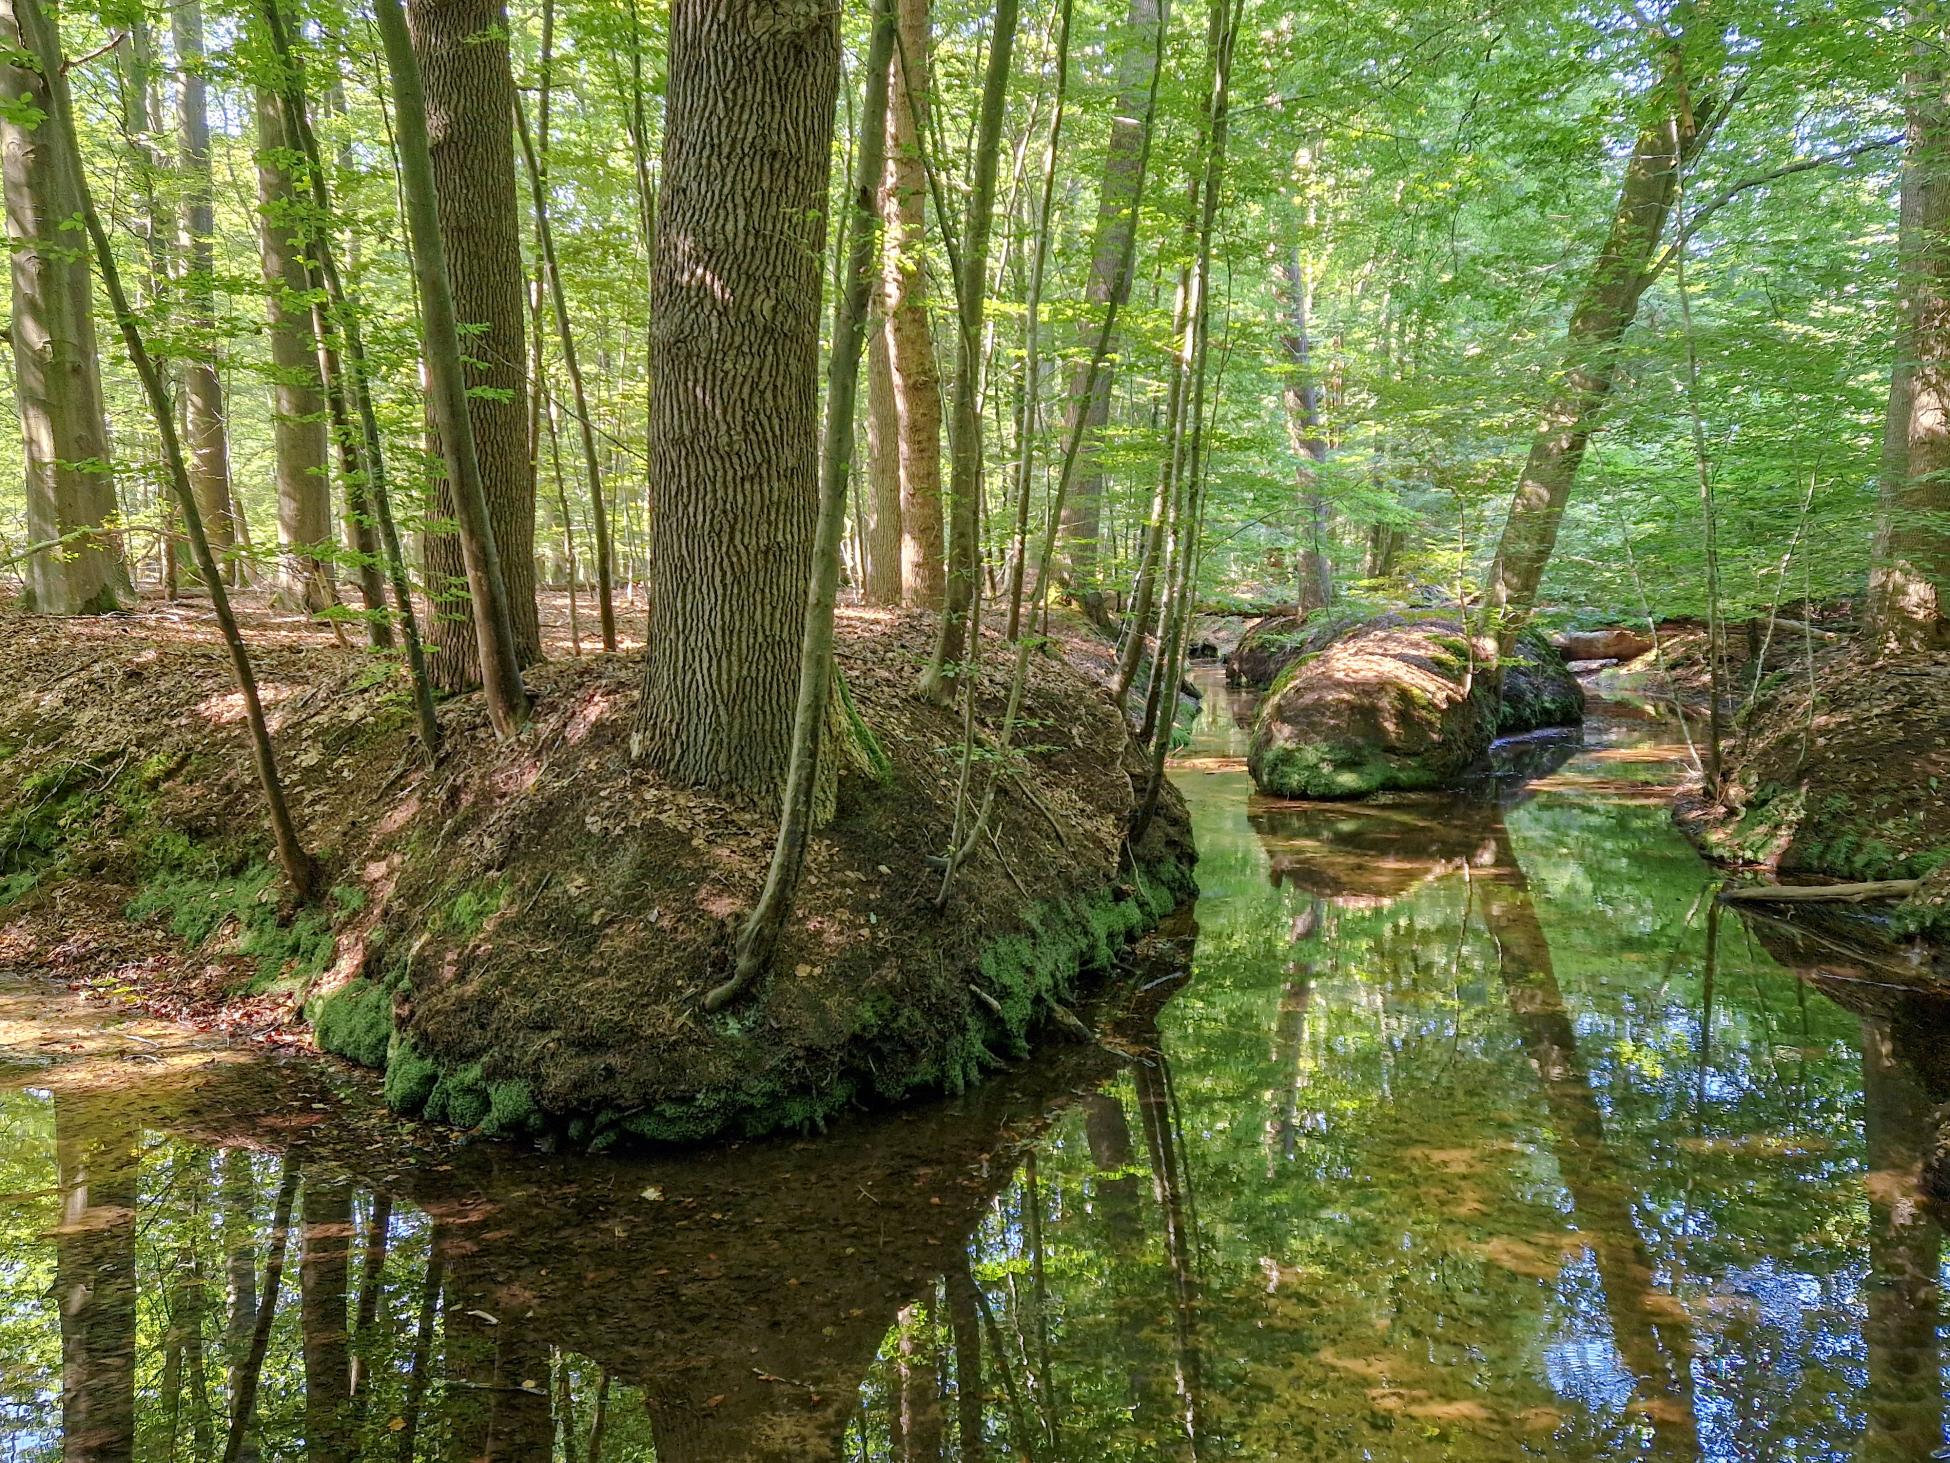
<point>1604,312</point>
<point>1314,580</point>
<point>915,376</point>
<point>57,372</point>
<point>1909,574</point>
<point>202,387</point>
<point>304,578</point>
<point>462,49</point>
<point>735,427</point>
<point>1117,198</point>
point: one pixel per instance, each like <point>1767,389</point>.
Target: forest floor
<point>520,935</point>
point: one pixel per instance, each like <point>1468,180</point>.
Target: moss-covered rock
<point>1399,702</point>
<point>1272,644</point>
<point>1394,704</point>
<point>1538,689</point>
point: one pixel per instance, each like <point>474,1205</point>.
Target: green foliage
<point>355,1022</point>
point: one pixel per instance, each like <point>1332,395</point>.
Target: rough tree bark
<point>1314,579</point>
<point>1117,201</point>
<point>449,408</point>
<point>1909,574</point>
<point>304,577</point>
<point>202,387</point>
<point>57,372</point>
<point>914,375</point>
<point>462,50</point>
<point>1604,312</point>
<point>734,468</point>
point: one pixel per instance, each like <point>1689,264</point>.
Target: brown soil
<point>522,934</point>
<point>1850,781</point>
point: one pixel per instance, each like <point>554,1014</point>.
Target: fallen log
<point>1820,893</point>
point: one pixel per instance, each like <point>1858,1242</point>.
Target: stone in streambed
<point>1401,703</point>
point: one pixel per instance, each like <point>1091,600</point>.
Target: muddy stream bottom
<point>1457,1129</point>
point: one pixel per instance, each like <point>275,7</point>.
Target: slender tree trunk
<point>77,568</point>
<point>43,43</point>
<point>1301,396</point>
<point>494,636</point>
<point>883,530</point>
<point>1603,314</point>
<point>249,1372</point>
<point>965,1326</point>
<point>461,49</point>
<point>965,460</point>
<point>342,330</point>
<point>914,374</point>
<point>734,466</point>
<point>202,386</point>
<point>304,577</point>
<point>1909,576</point>
<point>538,181</point>
<point>1088,409</point>
<point>806,800</point>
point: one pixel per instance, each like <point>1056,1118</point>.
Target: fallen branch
<point>1821,893</point>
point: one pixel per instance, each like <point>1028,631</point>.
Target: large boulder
<point>1273,643</point>
<point>1538,689</point>
<point>1401,702</point>
<point>1617,643</point>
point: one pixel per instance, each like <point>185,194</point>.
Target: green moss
<point>199,905</point>
<point>411,1076</point>
<point>1337,771</point>
<point>894,1050</point>
<point>355,1022</point>
<point>470,910</point>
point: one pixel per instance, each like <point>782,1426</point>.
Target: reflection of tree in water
<point>1650,1328</point>
<point>95,1154</point>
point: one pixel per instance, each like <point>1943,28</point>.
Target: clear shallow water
<point>1465,1130</point>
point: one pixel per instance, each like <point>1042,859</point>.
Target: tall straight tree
<point>204,428</point>
<point>1909,573</point>
<point>487,591</point>
<point>1314,579</point>
<point>461,47</point>
<point>76,567</point>
<point>304,576</point>
<point>965,461</point>
<point>913,377</point>
<point>734,463</point>
<point>810,769</point>
<point>1088,408</point>
<point>1681,114</point>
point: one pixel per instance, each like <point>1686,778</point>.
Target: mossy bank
<point>520,937</point>
<point>1842,772</point>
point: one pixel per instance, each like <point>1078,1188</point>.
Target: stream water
<point>1459,1130</point>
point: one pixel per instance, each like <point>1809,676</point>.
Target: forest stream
<point>1468,1129</point>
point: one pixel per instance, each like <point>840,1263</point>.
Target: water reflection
<point>1463,1130</point>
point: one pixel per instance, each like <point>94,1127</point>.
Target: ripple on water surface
<point>1458,1129</point>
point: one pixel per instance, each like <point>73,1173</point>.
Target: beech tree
<point>74,564</point>
<point>205,427</point>
<point>305,577</point>
<point>734,458</point>
<point>1909,575</point>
